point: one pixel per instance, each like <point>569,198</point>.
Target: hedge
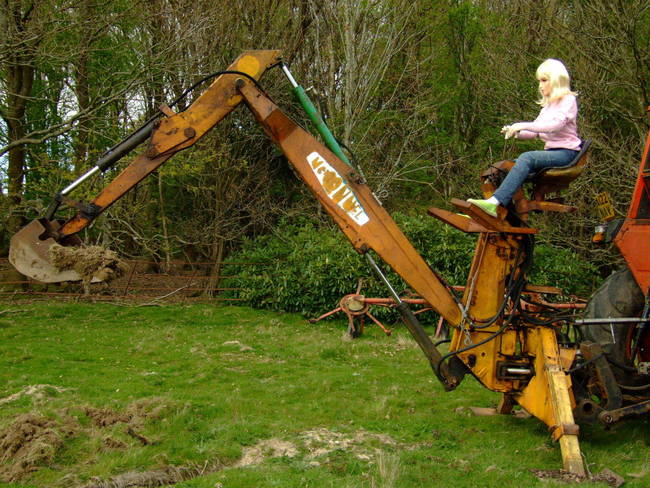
<point>307,268</point>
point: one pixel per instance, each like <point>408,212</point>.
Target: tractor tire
<point>618,296</point>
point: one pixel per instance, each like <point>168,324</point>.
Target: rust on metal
<point>175,132</point>
<point>458,221</point>
<point>180,131</point>
<point>351,205</point>
<point>609,417</point>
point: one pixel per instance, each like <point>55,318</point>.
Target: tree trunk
<point>211,288</point>
<point>166,247</point>
<point>20,78</point>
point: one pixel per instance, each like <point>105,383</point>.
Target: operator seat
<point>552,180</point>
<point>544,183</point>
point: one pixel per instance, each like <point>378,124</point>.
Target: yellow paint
<point>566,358</point>
<point>548,395</point>
<point>249,64</point>
<point>484,294</point>
<point>341,194</point>
<point>604,206</point>
<point>350,205</point>
<point>233,101</point>
<point>331,181</point>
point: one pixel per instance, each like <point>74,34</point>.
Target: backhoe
<point>523,349</point>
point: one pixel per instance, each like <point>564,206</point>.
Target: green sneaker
<point>487,207</point>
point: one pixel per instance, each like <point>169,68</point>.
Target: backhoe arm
<point>366,224</point>
<point>174,133</point>
<point>350,202</point>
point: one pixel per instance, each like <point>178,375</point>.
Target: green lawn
<point>232,397</point>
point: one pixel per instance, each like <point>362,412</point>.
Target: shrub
<point>307,268</point>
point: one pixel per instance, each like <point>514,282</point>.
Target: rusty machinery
<point>528,354</point>
<point>616,319</point>
<point>357,306</point>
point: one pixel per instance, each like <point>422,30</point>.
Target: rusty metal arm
<point>172,134</point>
<point>366,224</point>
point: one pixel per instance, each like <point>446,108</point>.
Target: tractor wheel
<point>618,296</point>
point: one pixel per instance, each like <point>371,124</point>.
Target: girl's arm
<point>526,134</point>
<point>555,117</point>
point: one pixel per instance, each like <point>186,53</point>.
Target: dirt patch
<point>89,262</point>
<point>168,475</point>
<point>105,417</point>
<point>321,442</point>
<point>134,417</point>
<point>37,391</point>
<point>113,443</point>
<point>137,436</point>
<point>491,411</point>
<point>269,448</point>
<point>31,440</point>
<point>146,409</point>
<point>610,477</point>
<point>135,414</point>
<point>605,476</point>
<point>316,443</point>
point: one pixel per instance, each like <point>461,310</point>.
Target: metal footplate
<point>492,224</point>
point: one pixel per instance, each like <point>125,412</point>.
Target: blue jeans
<point>527,163</point>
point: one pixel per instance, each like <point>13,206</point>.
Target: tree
<point>22,22</point>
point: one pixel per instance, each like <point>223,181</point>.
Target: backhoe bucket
<point>29,252</point>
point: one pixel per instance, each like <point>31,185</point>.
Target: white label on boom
<point>336,189</point>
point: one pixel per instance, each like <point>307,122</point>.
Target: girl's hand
<point>508,131</point>
<point>511,130</point>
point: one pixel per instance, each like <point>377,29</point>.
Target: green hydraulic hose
<point>315,117</point>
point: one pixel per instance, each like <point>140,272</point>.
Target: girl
<point>556,125</point>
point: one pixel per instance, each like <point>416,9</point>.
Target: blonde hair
<point>555,71</point>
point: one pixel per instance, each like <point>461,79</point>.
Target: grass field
<point>98,395</point>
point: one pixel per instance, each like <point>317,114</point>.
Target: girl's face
<point>545,86</point>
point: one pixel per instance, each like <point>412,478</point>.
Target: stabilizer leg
<point>548,397</point>
<point>565,431</point>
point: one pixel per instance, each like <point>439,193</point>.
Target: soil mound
<point>90,262</point>
<point>31,440</point>
<point>105,417</point>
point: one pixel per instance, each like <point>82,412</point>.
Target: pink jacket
<point>556,125</point>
